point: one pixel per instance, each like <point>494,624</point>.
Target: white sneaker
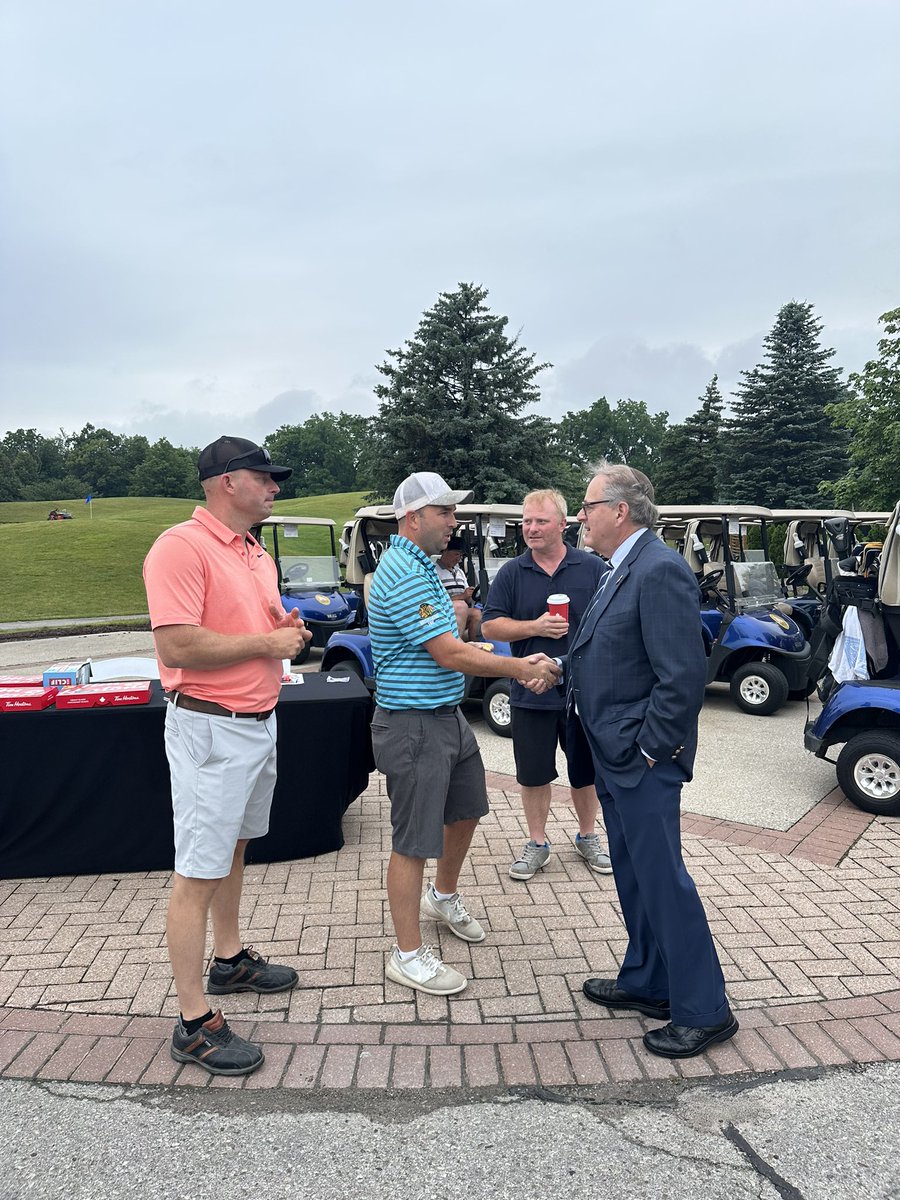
<point>453,914</point>
<point>425,973</point>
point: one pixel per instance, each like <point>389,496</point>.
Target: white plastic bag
<point>848,658</point>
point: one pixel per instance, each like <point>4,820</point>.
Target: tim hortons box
<point>20,681</point>
<point>104,695</point>
<point>26,699</point>
<point>62,675</point>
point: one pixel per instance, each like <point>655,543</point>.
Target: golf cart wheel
<point>301,658</point>
<point>345,666</point>
<point>496,708</point>
<point>868,770</point>
<point>759,688</point>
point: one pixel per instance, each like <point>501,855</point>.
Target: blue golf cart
<point>491,533</point>
<point>863,715</point>
<point>308,575</point>
<point>753,643</point>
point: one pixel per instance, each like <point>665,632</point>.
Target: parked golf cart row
<point>758,627</point>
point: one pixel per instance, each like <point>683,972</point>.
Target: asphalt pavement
<point>823,1135</point>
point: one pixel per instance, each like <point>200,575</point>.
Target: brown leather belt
<point>180,700</point>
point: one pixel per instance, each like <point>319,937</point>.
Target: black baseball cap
<point>237,454</point>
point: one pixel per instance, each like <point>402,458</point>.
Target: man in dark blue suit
<point>635,676</point>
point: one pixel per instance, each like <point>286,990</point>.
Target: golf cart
<point>864,714</point>
<point>752,641</point>
<point>809,562</point>
<point>488,532</point>
<point>308,575</point>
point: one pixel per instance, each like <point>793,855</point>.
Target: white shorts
<point>223,774</point>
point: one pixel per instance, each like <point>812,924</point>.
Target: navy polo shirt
<point>520,592</point>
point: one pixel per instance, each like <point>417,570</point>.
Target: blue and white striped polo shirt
<point>408,605</point>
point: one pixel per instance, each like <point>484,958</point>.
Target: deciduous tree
<point>871,415</point>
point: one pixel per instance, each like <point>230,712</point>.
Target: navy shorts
<point>536,735</point>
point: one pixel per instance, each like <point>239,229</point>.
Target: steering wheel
<point>297,573</point>
<point>711,580</point>
<point>798,576</point>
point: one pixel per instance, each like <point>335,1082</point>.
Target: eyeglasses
<point>587,505</point>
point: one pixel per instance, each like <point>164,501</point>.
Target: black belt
<point>180,700</point>
<point>445,710</point>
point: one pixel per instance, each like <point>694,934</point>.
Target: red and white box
<point>21,681</point>
<point>26,699</point>
<point>67,674</point>
<point>104,695</point>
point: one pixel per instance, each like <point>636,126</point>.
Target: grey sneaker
<point>588,846</point>
<point>425,973</point>
<point>532,859</point>
<point>453,914</point>
<point>216,1048</point>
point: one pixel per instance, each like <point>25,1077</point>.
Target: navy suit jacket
<point>636,667</point>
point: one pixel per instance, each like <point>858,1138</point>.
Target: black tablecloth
<point>86,791</point>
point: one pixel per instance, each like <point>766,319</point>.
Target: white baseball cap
<point>424,488</point>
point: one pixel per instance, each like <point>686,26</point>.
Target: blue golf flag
<point>88,498</point>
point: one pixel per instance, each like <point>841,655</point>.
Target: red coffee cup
<point>558,605</point>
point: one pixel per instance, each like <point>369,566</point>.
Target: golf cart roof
<point>464,512</point>
<point>712,512</point>
<point>869,518</point>
<point>509,512</point>
<point>808,514</point>
<point>278,519</point>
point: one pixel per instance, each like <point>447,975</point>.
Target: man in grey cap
<point>422,743</point>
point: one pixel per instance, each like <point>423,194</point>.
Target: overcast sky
<point>216,216</point>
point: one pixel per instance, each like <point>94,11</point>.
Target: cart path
<point>807,922</point>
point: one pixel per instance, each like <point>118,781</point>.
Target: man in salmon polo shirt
<point>221,634</point>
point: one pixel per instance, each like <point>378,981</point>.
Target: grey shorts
<point>434,774</point>
<point>223,776</point>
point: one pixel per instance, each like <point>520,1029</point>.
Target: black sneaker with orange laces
<point>216,1048</point>
<point>251,973</point>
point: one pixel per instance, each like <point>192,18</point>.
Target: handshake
<point>540,673</point>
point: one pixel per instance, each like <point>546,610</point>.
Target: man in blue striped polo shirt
<point>422,743</point>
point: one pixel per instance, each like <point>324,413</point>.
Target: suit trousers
<point>670,955</point>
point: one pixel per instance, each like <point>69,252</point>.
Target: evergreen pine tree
<point>779,445</point>
<point>688,467</point>
<point>453,402</point>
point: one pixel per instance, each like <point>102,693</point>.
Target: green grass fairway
<point>92,568</point>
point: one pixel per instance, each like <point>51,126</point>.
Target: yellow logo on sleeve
<point>425,611</point>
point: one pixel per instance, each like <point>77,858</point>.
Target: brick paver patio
<point>807,922</point>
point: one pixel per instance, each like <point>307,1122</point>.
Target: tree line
<point>455,398</point>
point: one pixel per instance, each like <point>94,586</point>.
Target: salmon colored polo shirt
<point>203,573</point>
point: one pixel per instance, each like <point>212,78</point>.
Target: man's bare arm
<point>448,651</point>
<point>194,648</point>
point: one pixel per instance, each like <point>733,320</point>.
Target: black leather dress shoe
<point>605,992</point>
<point>684,1041</point>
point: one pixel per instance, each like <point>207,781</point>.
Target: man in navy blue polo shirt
<point>422,743</point>
<point>516,612</point>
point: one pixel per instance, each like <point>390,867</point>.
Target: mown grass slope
<point>92,568</point>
